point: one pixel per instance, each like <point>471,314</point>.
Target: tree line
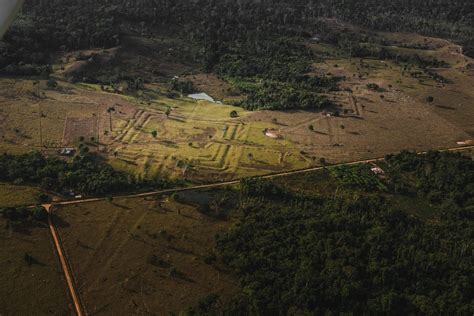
<point>47,26</point>
<point>86,174</point>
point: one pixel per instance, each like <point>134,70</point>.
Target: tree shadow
<point>446,107</point>
<point>84,246</point>
<point>169,143</point>
<point>320,133</point>
<point>180,275</point>
<point>30,260</point>
<point>120,206</point>
<point>59,222</point>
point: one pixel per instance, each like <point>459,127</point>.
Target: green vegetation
<point>444,179</point>
<point>17,195</point>
<point>355,251</point>
<point>272,72</point>
<point>359,177</point>
<point>24,216</point>
<point>185,87</point>
<point>84,175</point>
<point>260,50</point>
<point>373,86</point>
<point>342,241</point>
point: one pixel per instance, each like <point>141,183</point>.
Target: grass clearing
<point>17,195</point>
<point>145,255</point>
<point>35,289</point>
<point>200,142</point>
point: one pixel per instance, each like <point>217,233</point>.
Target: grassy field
<point>30,289</point>
<point>139,256</point>
<point>199,141</point>
<point>17,195</point>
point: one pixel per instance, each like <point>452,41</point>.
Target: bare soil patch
<point>77,127</point>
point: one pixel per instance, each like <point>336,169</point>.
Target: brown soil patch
<point>77,127</point>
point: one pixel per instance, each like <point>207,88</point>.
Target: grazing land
<point>143,127</point>
<point>33,286</point>
<point>149,134</point>
<point>146,255</point>
<point>17,195</point>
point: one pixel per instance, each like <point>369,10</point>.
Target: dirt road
<point>59,247</point>
<point>64,263</point>
<point>232,182</point>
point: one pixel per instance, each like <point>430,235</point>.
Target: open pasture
<point>139,256</point>
<point>35,286</point>
<point>149,134</point>
<point>17,195</point>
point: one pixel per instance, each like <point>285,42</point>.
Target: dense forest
<point>86,174</point>
<point>256,45</point>
<point>356,252</point>
<point>74,24</point>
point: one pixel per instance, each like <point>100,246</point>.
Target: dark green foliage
<point>86,174</point>
<point>349,256</point>
<point>24,216</point>
<point>276,96</point>
<point>272,72</point>
<point>274,58</point>
<point>185,87</point>
<point>44,198</point>
<point>255,187</point>
<point>48,26</point>
<point>135,84</point>
<point>52,84</point>
<point>356,253</point>
<point>206,306</point>
<point>38,213</point>
<point>469,50</point>
<point>446,179</point>
<point>373,86</point>
<point>359,177</point>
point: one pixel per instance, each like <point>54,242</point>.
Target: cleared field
<point>141,256</point>
<point>30,289</point>
<point>17,195</point>
<point>149,134</point>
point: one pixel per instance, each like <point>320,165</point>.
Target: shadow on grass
<point>59,222</point>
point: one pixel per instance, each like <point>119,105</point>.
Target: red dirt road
<point>78,306</point>
<point>64,263</point>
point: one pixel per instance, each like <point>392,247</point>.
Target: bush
<point>52,84</point>
<point>44,198</point>
<point>185,87</point>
